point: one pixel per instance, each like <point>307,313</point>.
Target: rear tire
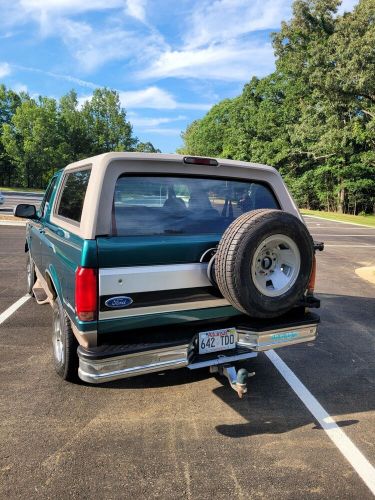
<point>30,274</point>
<point>263,262</point>
<point>64,344</point>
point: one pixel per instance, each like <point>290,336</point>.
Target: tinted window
<point>73,195</point>
<point>155,205</point>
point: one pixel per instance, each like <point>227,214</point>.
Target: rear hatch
<point>153,265</point>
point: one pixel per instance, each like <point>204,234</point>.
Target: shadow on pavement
<point>338,369</point>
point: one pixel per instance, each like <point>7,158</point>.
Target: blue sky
<point>169,60</point>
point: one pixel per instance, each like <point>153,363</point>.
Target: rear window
<point>156,205</point>
<point>73,195</point>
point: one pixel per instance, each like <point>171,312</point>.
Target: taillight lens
<point>86,293</point>
<point>311,285</point>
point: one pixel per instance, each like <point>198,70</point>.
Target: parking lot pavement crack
<point>53,460</point>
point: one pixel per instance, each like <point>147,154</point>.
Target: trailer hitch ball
<point>238,381</point>
<point>241,382</point>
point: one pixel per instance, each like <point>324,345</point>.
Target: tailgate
<point>152,281</point>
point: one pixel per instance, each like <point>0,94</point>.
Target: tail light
<point>86,291</point>
<point>198,160</point>
<point>311,285</point>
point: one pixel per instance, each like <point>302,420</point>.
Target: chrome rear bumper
<point>96,371</point>
<point>273,339</point>
<point>98,368</point>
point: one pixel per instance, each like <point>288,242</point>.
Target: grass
<point>368,220</point>
<point>32,190</point>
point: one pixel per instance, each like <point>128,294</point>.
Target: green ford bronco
<point>154,262</point>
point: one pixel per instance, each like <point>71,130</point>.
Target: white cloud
<point>217,42</point>
<point>151,98</point>
<point>20,87</point>
<point>137,9</point>
<point>68,78</point>
<point>231,62</point>
<point>163,131</point>
<point>4,69</point>
<point>94,48</point>
<point>142,122</point>
<point>220,42</point>
<point>221,20</point>
<point>47,13</point>
<point>68,6</point>
<point>156,98</point>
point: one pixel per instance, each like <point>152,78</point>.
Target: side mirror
<point>26,211</point>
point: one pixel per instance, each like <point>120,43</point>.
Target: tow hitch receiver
<point>237,380</point>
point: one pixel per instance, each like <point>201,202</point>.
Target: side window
<point>47,196</point>
<point>73,195</point>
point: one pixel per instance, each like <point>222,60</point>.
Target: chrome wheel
<point>275,265</point>
<point>57,339</point>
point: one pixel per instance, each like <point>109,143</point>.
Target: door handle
<point>42,231</point>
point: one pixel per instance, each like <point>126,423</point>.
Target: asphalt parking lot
<point>185,434</point>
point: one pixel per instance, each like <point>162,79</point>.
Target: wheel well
<point>51,286</point>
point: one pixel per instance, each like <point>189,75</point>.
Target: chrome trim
<point>144,311</point>
<point>263,341</point>
<point>222,359</point>
<point>130,365</point>
<point>205,253</point>
<point>170,358</point>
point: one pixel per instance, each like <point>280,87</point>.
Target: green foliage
<point>314,117</point>
<point>39,136</point>
<point>106,123</point>
<point>146,147</point>
<point>31,140</point>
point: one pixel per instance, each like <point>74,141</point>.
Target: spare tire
<point>263,262</point>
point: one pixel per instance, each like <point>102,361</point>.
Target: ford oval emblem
<point>118,302</point>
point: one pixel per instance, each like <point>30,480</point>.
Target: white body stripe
<point>125,280</point>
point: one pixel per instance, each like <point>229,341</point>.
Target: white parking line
<point>356,459</point>
<point>338,221</point>
<point>10,223</point>
<point>344,235</point>
<point>316,225</point>
<point>350,246</point>
<point>13,308</point>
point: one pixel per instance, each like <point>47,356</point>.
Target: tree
<point>211,135</point>
<point>40,135</point>
<point>32,141</point>
<point>146,147</point>
<point>73,129</point>
<point>105,120</point>
<point>314,117</point>
<point>9,101</point>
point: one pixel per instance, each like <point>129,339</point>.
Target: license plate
<point>217,340</point>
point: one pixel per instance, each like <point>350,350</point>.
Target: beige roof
<point>107,167</point>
